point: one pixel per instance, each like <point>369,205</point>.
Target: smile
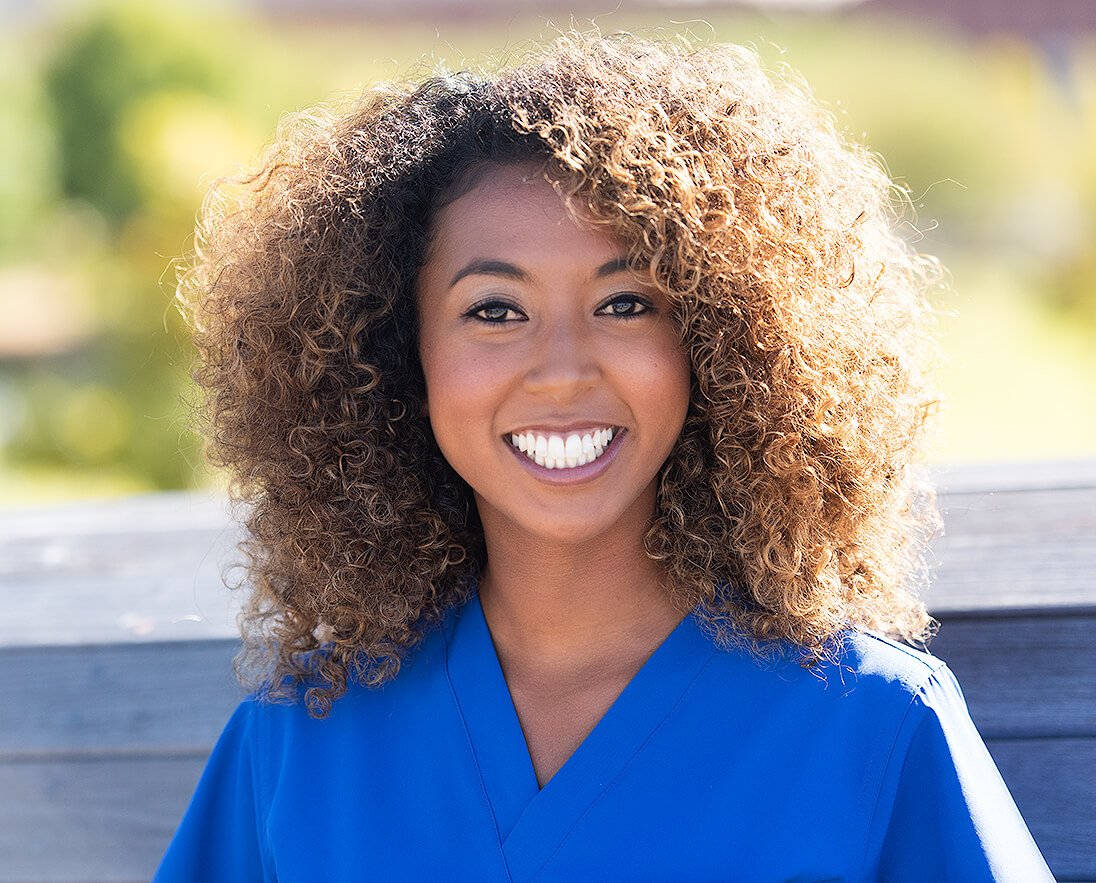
<point>563,451</point>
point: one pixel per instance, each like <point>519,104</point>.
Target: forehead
<point>514,210</point>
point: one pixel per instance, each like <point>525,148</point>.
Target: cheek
<point>459,385</point>
<point>666,374</point>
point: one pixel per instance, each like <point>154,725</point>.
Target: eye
<point>495,312</point>
<point>626,306</point>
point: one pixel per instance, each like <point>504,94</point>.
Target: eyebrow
<point>507,270</point>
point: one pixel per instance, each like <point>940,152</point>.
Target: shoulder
<point>878,660</point>
<point>872,670</point>
<point>866,680</point>
<point>421,679</point>
<point>907,697</point>
<point>854,659</point>
<point>912,679</point>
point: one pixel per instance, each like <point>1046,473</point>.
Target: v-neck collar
<point>533,822</point>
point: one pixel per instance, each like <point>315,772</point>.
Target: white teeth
<point>559,452</point>
<point>574,449</point>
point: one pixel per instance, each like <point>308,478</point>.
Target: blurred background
<point>115,117</point>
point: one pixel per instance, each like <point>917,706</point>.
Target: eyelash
<point>492,303</point>
<point>636,299</point>
<point>495,303</point>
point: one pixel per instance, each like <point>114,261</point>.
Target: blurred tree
<point>28,170</point>
<point>142,107</point>
<point>103,65</point>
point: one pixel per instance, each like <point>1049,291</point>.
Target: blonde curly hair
<point>790,508</point>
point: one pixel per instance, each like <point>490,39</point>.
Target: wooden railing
<point>116,639</point>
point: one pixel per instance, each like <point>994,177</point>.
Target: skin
<point>574,604</point>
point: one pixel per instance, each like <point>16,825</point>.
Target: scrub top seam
<point>925,658</point>
<point>475,759</point>
<point>627,766</point>
<point>914,701</point>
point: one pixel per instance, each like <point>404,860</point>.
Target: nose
<point>563,363</point>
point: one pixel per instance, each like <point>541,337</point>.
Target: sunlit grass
<point>30,485</point>
<point>1020,380</point>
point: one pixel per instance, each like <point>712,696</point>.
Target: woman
<point>576,407</point>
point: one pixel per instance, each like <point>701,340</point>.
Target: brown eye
<point>495,312</point>
<point>626,306</point>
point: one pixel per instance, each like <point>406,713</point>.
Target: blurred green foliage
<point>97,82</point>
<point>120,113</point>
<point>123,113</point>
<point>28,181</point>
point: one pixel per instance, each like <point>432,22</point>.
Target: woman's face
<point>535,336</point>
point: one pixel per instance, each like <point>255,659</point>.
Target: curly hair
<point>790,508</point>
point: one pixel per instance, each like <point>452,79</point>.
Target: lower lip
<point>573,474</point>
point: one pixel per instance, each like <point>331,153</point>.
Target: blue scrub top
<point>710,765</point>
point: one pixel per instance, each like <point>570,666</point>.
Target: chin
<point>569,522</point>
<point>575,530</point>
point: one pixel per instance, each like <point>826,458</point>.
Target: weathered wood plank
<point>1029,676</point>
<point>1022,549</point>
<point>1053,783</point>
<point>1022,677</point>
<point>995,478</point>
<point>1015,476</point>
<point>150,568</point>
<point>119,697</point>
<point>91,818</point>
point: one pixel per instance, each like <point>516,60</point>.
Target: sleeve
<point>220,837</point>
<point>951,815</point>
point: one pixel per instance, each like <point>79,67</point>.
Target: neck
<point>562,607</point>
